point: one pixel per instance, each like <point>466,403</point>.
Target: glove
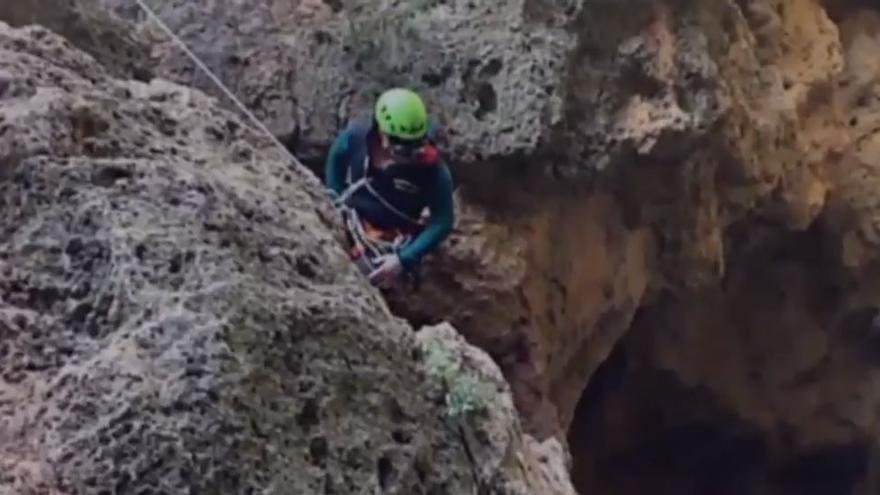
<point>389,267</point>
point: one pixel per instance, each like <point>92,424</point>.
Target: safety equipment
<point>401,114</point>
<point>388,268</point>
<point>370,247</point>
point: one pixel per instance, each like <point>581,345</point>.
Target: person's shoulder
<point>436,131</point>
<point>438,161</point>
<point>359,124</point>
<point>438,139</point>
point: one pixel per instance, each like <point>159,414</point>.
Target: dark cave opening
<point>639,431</point>
<point>838,10</point>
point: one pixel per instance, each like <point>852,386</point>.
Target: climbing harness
<point>363,182</point>
<point>368,244</point>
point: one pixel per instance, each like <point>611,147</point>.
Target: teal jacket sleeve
<point>334,175</point>
<point>441,221</point>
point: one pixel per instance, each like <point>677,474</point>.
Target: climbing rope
<point>152,15</point>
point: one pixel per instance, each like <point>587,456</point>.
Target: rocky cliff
<point>667,225</point>
<point>177,316</point>
<point>95,30</point>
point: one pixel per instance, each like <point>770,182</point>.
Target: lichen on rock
<point>510,461</point>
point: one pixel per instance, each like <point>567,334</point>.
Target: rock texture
<point>492,71</point>
<point>177,316</point>
<point>499,78</point>
<point>91,28</point>
<point>511,460</point>
<point>721,117</point>
<point>766,382</point>
<point>697,175</point>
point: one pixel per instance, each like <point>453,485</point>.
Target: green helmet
<point>401,113</point>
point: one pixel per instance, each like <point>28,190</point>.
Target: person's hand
<point>389,267</point>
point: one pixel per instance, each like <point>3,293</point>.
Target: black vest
<point>393,197</point>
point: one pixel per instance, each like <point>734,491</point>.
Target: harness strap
<point>372,245</point>
<point>363,181</point>
<point>390,207</point>
<point>349,191</point>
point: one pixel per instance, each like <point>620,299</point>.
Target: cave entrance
<point>638,430</point>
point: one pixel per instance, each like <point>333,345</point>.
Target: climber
<point>384,170</point>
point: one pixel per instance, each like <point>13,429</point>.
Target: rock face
<point>495,436</point>
<point>766,382</point>
<point>720,119</point>
<point>91,28</point>
<point>492,71</point>
<point>177,315</point>
<point>696,178</point>
<point>499,78</point>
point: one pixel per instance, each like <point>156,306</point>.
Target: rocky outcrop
<point>692,110</point>
<point>764,383</point>
<point>625,168</point>
<point>493,72</point>
<point>501,93</point>
<point>714,123</point>
<point>178,316</point>
<point>511,461</point>
<point>852,210</point>
<point>90,27</point>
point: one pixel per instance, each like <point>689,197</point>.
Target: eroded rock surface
<point>732,130</point>
<point>177,315</point>
<point>765,383</point>
<point>90,27</point>
<point>643,161</point>
<point>493,71</point>
<point>511,461</point>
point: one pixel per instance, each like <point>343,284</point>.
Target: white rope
<point>152,15</point>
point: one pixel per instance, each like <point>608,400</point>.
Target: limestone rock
<point>508,461</point>
<point>91,28</point>
<point>701,117</point>
<point>624,167</point>
<point>549,285</point>
<point>491,70</point>
<point>546,309</point>
<point>176,316</point>
<point>854,208</point>
<point>767,382</point>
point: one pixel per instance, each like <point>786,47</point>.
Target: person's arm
<point>337,161</point>
<point>441,221</point>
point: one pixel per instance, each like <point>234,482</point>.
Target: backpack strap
<point>356,176</point>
